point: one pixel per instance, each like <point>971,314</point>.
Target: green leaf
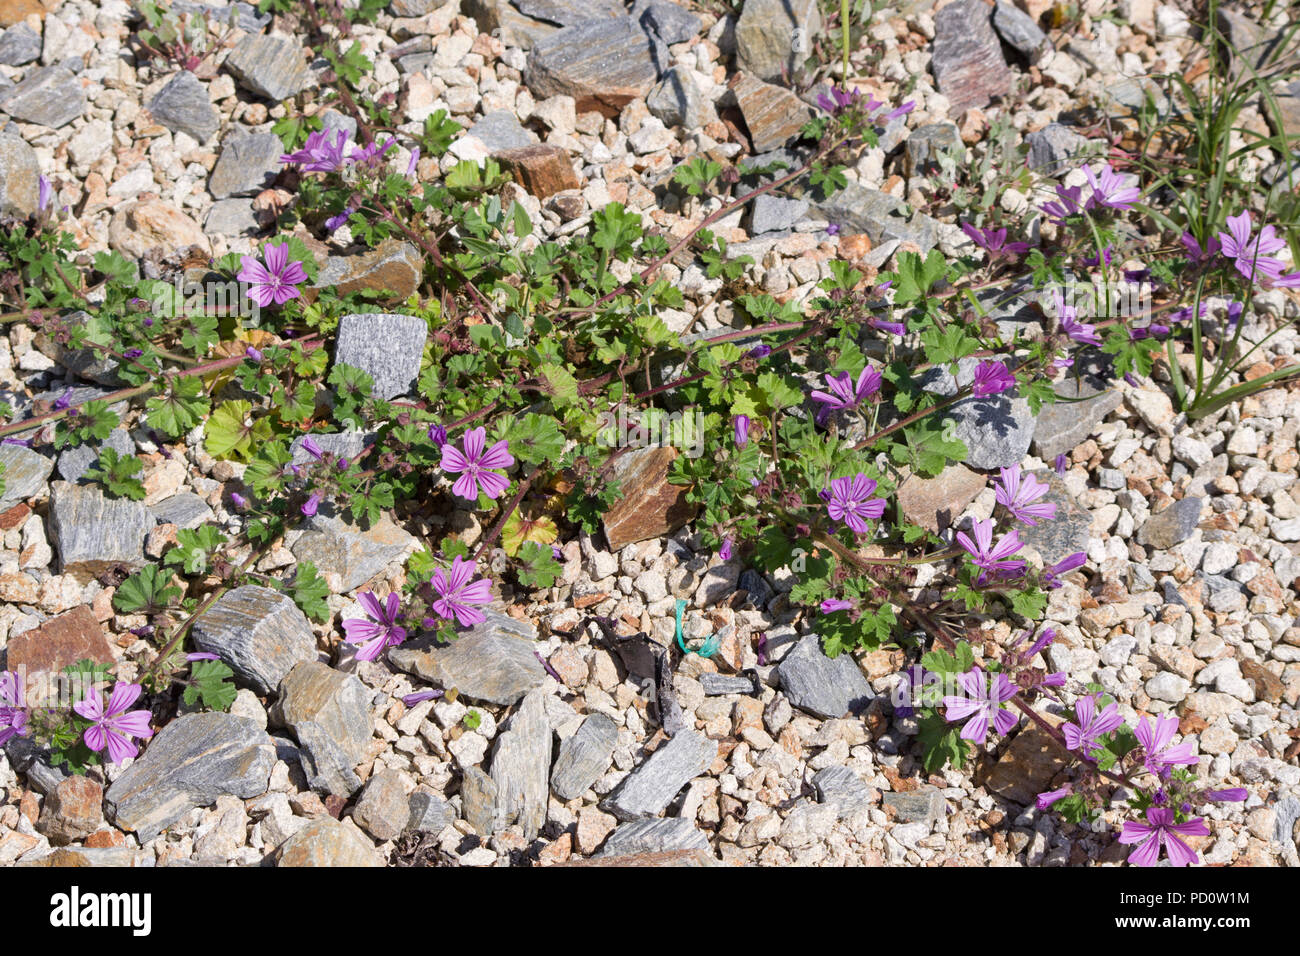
<point>210,683</point>
<point>180,409</point>
<point>537,566</point>
<point>148,590</point>
<point>232,430</point>
<point>193,546</point>
<point>310,592</point>
<point>117,474</point>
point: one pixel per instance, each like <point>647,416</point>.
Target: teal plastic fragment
<point>707,649</point>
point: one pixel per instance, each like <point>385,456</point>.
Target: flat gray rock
<point>25,473</point>
<point>190,763</point>
<point>927,143</point>
<point>1285,813</point>
<point>247,165</point>
<point>50,96</point>
<point>584,757</point>
<point>75,462</point>
<point>677,100</point>
<point>1065,534</point>
<point>654,836</point>
<point>184,509</point>
<point>478,799</point>
<point>270,66</point>
<point>20,44</point>
<point>346,444</point>
<point>329,714</point>
<point>246,16</point>
<point>20,172</point>
<point>386,346</point>
<point>429,813</point>
<point>717,685</point>
<point>666,20</point>
<point>183,105</point>
<point>260,633</point>
<point>346,554</point>
<point>1053,148</point>
<point>841,786</point>
<point>1018,28</point>
<point>603,64</point>
<point>93,532</point>
<point>996,429</point>
<point>232,217</point>
<point>820,685</point>
<point>1064,425</point>
<point>923,805</point>
<point>652,785</point>
<point>858,209</point>
<point>966,57</point>
<point>493,662</point>
<point>521,760</point>
<point>567,13</point>
<point>383,810</point>
<point>1172,526</point>
<point>775,213</point>
<point>500,130</point>
<point>774,37</point>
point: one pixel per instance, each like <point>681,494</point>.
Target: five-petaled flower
<point>1155,741</point>
<point>985,695</point>
<point>991,377</point>
<point>990,556</point>
<point>1161,830</point>
<point>850,501</point>
<point>322,153</point>
<point>1019,494</point>
<point>379,629</point>
<point>113,726</point>
<point>845,392</point>
<point>1109,189</point>
<point>457,593</point>
<point>1092,724</point>
<point>475,463</point>
<point>994,241</point>
<point>275,282</point>
<point>1254,258</point>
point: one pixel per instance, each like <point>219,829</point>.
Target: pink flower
<point>13,706</point>
<point>378,630</point>
<point>981,704</point>
<point>1160,830</point>
<point>1155,741</point>
<point>276,282</point>
<point>988,556</point>
<point>1019,494</point>
<point>990,378</point>
<point>1252,258</point>
<point>474,465</point>
<point>113,726</point>
<point>830,606</point>
<point>1108,190</point>
<point>851,502</point>
<point>1083,735</point>
<point>457,593</point>
<point>320,154</point>
<point>845,392</point>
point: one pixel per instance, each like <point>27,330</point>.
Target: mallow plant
<point>814,414</point>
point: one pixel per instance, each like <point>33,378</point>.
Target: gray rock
<point>670,22</point>
<point>773,115</point>
<point>75,462</point>
<point>185,510</point>
<point>232,217</point>
<point>677,101</point>
<point>927,143</point>
<point>258,632</point>
<point>501,17</point>
<point>755,585</point>
<point>584,757</point>
<point>383,810</point>
<point>1065,534</point>
<point>33,762</point>
<point>603,64</point>
<point>966,57</point>
<point>25,473</point>
<point>841,786</point>
<point>190,763</point>
<point>1172,526</point>
<point>183,105</point>
<point>717,685</point>
<point>1018,28</point>
<point>386,346</point>
<point>246,16</point>
<point>270,66</point>
<point>410,8</point>
<point>821,685</point>
<point>521,760</point>
<point>50,96</point>
<point>568,13</point>
<point>654,836</point>
<point>20,44</point>
<point>775,213</point>
<point>652,785</point>
<point>1053,148</point>
<point>500,130</point>
<point>478,798</point>
<point>1064,425</point>
<point>858,209</point>
<point>347,444</point>
<point>346,555</point>
<point>19,177</point>
<point>329,714</point>
<point>247,165</point>
<point>93,532</point>
<point>325,842</point>
<point>996,429</point>
<point>1285,813</point>
<point>493,662</point>
<point>925,804</point>
<point>429,813</point>
<point>774,37</point>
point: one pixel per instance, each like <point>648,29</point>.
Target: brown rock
<point>14,517</point>
<point>1027,767</point>
<point>967,56</point>
<point>772,113</point>
<point>393,265</point>
<point>326,842</point>
<point>558,851</point>
<point>1268,686</point>
<point>649,507</point>
<point>542,170</point>
<point>592,828</point>
<point>73,810</point>
<point>59,642</point>
<point>138,227</point>
<point>933,503</point>
<point>104,838</point>
<point>16,11</point>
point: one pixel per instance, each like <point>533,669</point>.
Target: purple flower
<point>1161,830</point>
<point>760,351</point>
<point>333,222</point>
<point>981,704</point>
<point>63,401</point>
<point>113,727</point>
<point>844,392</point>
<point>457,593</point>
<point>985,554</point>
<point>239,501</point>
<point>410,700</point>
<point>475,464</point>
<point>1109,191</point>
<point>379,629</point>
<point>893,328</point>
<point>1019,494</point>
<point>1092,724</point>
<point>991,377</point>
<point>415,159</point>
<point>740,426</point>
<point>838,100</point>
<point>1234,312</point>
<point>1068,316</point>
<point>320,154</point>
<point>850,501</point>
<point>1231,795</point>
<point>44,193</point>
<point>311,504</point>
<point>1156,740</point>
<point>310,447</point>
<point>13,706</point>
<point>1045,800</point>
<point>277,281</point>
<point>832,229</point>
<point>1253,259</point>
<point>1052,573</point>
<point>253,354</point>
<point>724,553</point>
<point>1068,204</point>
<point>24,442</point>
<point>1106,255</point>
<point>438,435</point>
<point>201,656</point>
<point>833,605</point>
<point>1044,639</point>
<point>994,241</point>
<point>1060,464</point>
<point>1195,253</point>
<point>370,156</point>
